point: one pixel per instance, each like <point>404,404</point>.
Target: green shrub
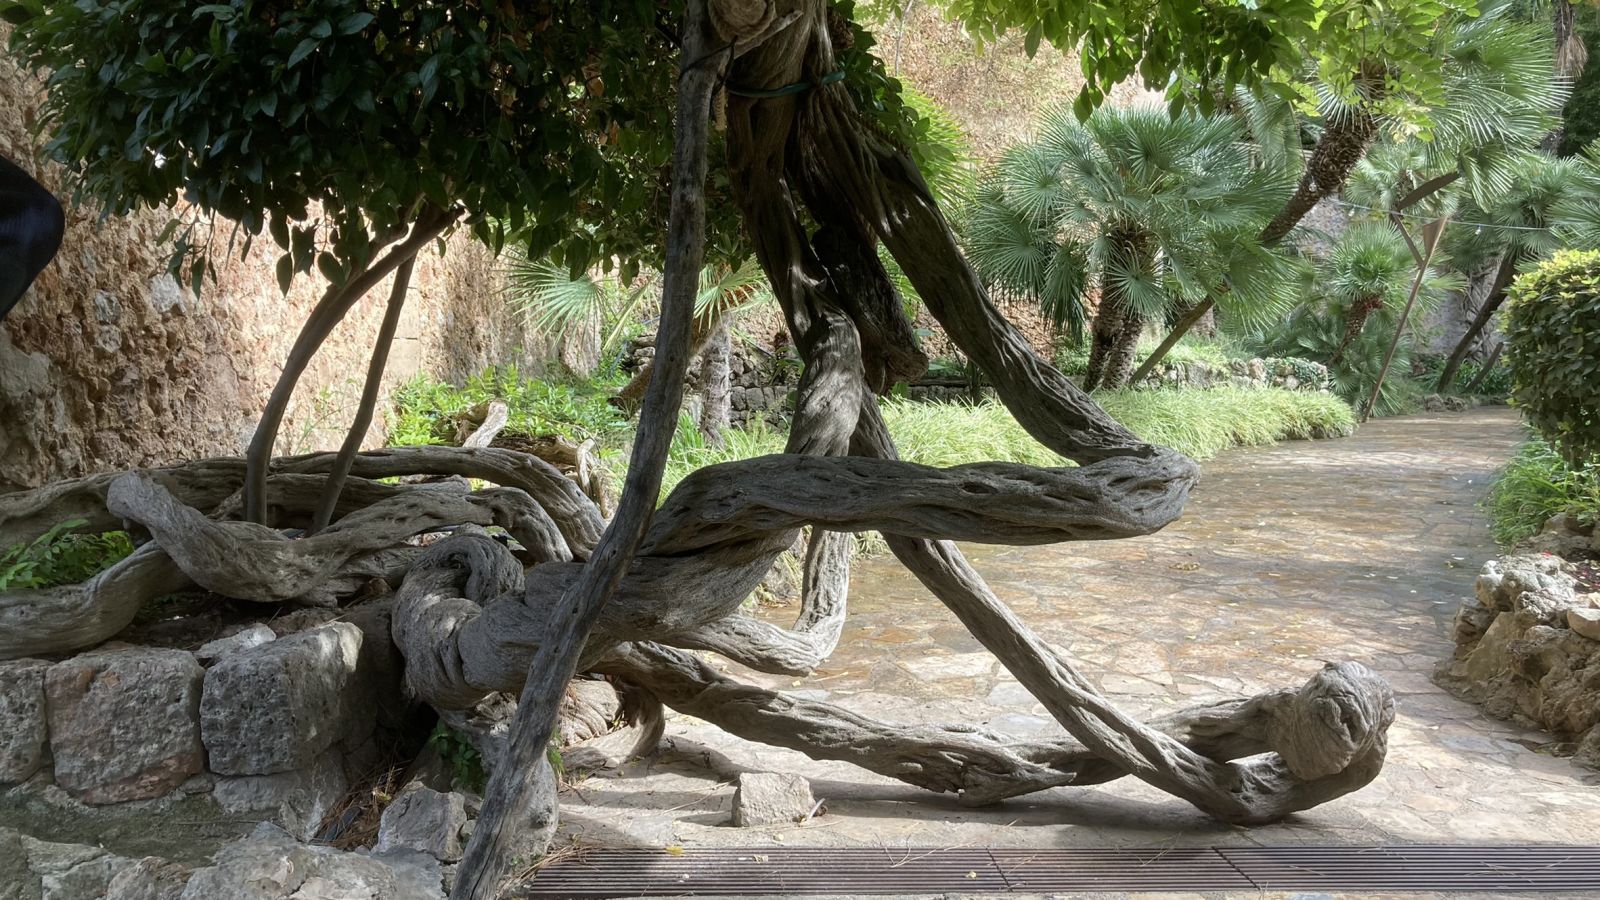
<point>427,412</point>
<point>1202,423</point>
<point>1198,423</point>
<point>56,557</point>
<point>1536,485</point>
<point>1552,328</point>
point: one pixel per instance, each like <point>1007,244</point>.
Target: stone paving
<point>1290,555</point>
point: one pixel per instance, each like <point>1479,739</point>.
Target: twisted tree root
<point>982,766</point>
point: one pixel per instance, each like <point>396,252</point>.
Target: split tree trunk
<point>335,304</point>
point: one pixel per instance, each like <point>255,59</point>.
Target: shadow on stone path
<point>1352,549</point>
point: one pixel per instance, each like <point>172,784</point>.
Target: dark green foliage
<point>466,766</point>
<point>1536,485</point>
<point>1204,49</point>
<point>58,557</point>
<point>532,119</point>
<point>549,123</point>
<point>1368,271</point>
<point>1552,329</point>
<point>428,412</point>
<point>1496,384</point>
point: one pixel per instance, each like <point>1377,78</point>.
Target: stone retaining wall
<point>1528,642</point>
<point>259,725</point>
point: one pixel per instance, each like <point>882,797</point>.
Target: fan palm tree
<point>1500,97</point>
<point>1360,288</point>
<point>1146,209</point>
<point>1540,210</point>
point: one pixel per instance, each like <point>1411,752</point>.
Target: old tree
<point>356,133</point>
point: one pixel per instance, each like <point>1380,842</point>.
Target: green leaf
<point>285,273</point>
<point>355,22</point>
<point>303,50</point>
<point>222,12</point>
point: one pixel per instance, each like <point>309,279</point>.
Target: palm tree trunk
<point>1491,303</point>
<point>716,384</point>
<point>1124,349</point>
<point>1571,56</point>
<point>1108,319</point>
<point>1355,320</point>
<point>1343,144</point>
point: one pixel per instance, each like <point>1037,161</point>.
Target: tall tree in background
<point>1483,93</point>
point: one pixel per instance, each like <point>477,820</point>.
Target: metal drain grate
<point>600,874</point>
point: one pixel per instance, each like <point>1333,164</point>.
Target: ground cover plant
<point>1537,484</point>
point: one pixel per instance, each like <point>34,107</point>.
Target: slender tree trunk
<point>716,383</point>
<point>524,774</point>
<point>1178,330</point>
<point>1491,303</point>
<point>369,399</point>
<point>700,334</point>
<point>335,304</point>
<point>1488,365</point>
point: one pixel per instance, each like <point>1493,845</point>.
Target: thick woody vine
<point>634,597</point>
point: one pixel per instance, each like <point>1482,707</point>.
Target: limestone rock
<point>297,801</point>
<point>151,878</point>
<point>271,865</point>
<point>1561,535</point>
<point>277,707</point>
<point>222,647</point>
<point>1585,621</point>
<point>72,871</point>
<point>768,798</point>
<point>23,731</point>
<point>424,820</point>
<point>124,723</point>
<point>1550,606</point>
<point>17,881</point>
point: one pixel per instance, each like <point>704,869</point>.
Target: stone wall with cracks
<point>1528,642</point>
<point>108,363</point>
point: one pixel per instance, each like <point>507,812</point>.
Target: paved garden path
<point>1359,548</point>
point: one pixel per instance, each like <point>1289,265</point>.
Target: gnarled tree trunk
<point>472,619</point>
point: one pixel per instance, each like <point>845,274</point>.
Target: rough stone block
<point>238,642</point>
<point>23,730</point>
<point>277,707</point>
<point>151,878</point>
<point>72,871</point>
<point>767,798</point>
<point>271,865</point>
<point>1585,621</point>
<point>424,820</point>
<point>124,723</point>
<point>297,801</point>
